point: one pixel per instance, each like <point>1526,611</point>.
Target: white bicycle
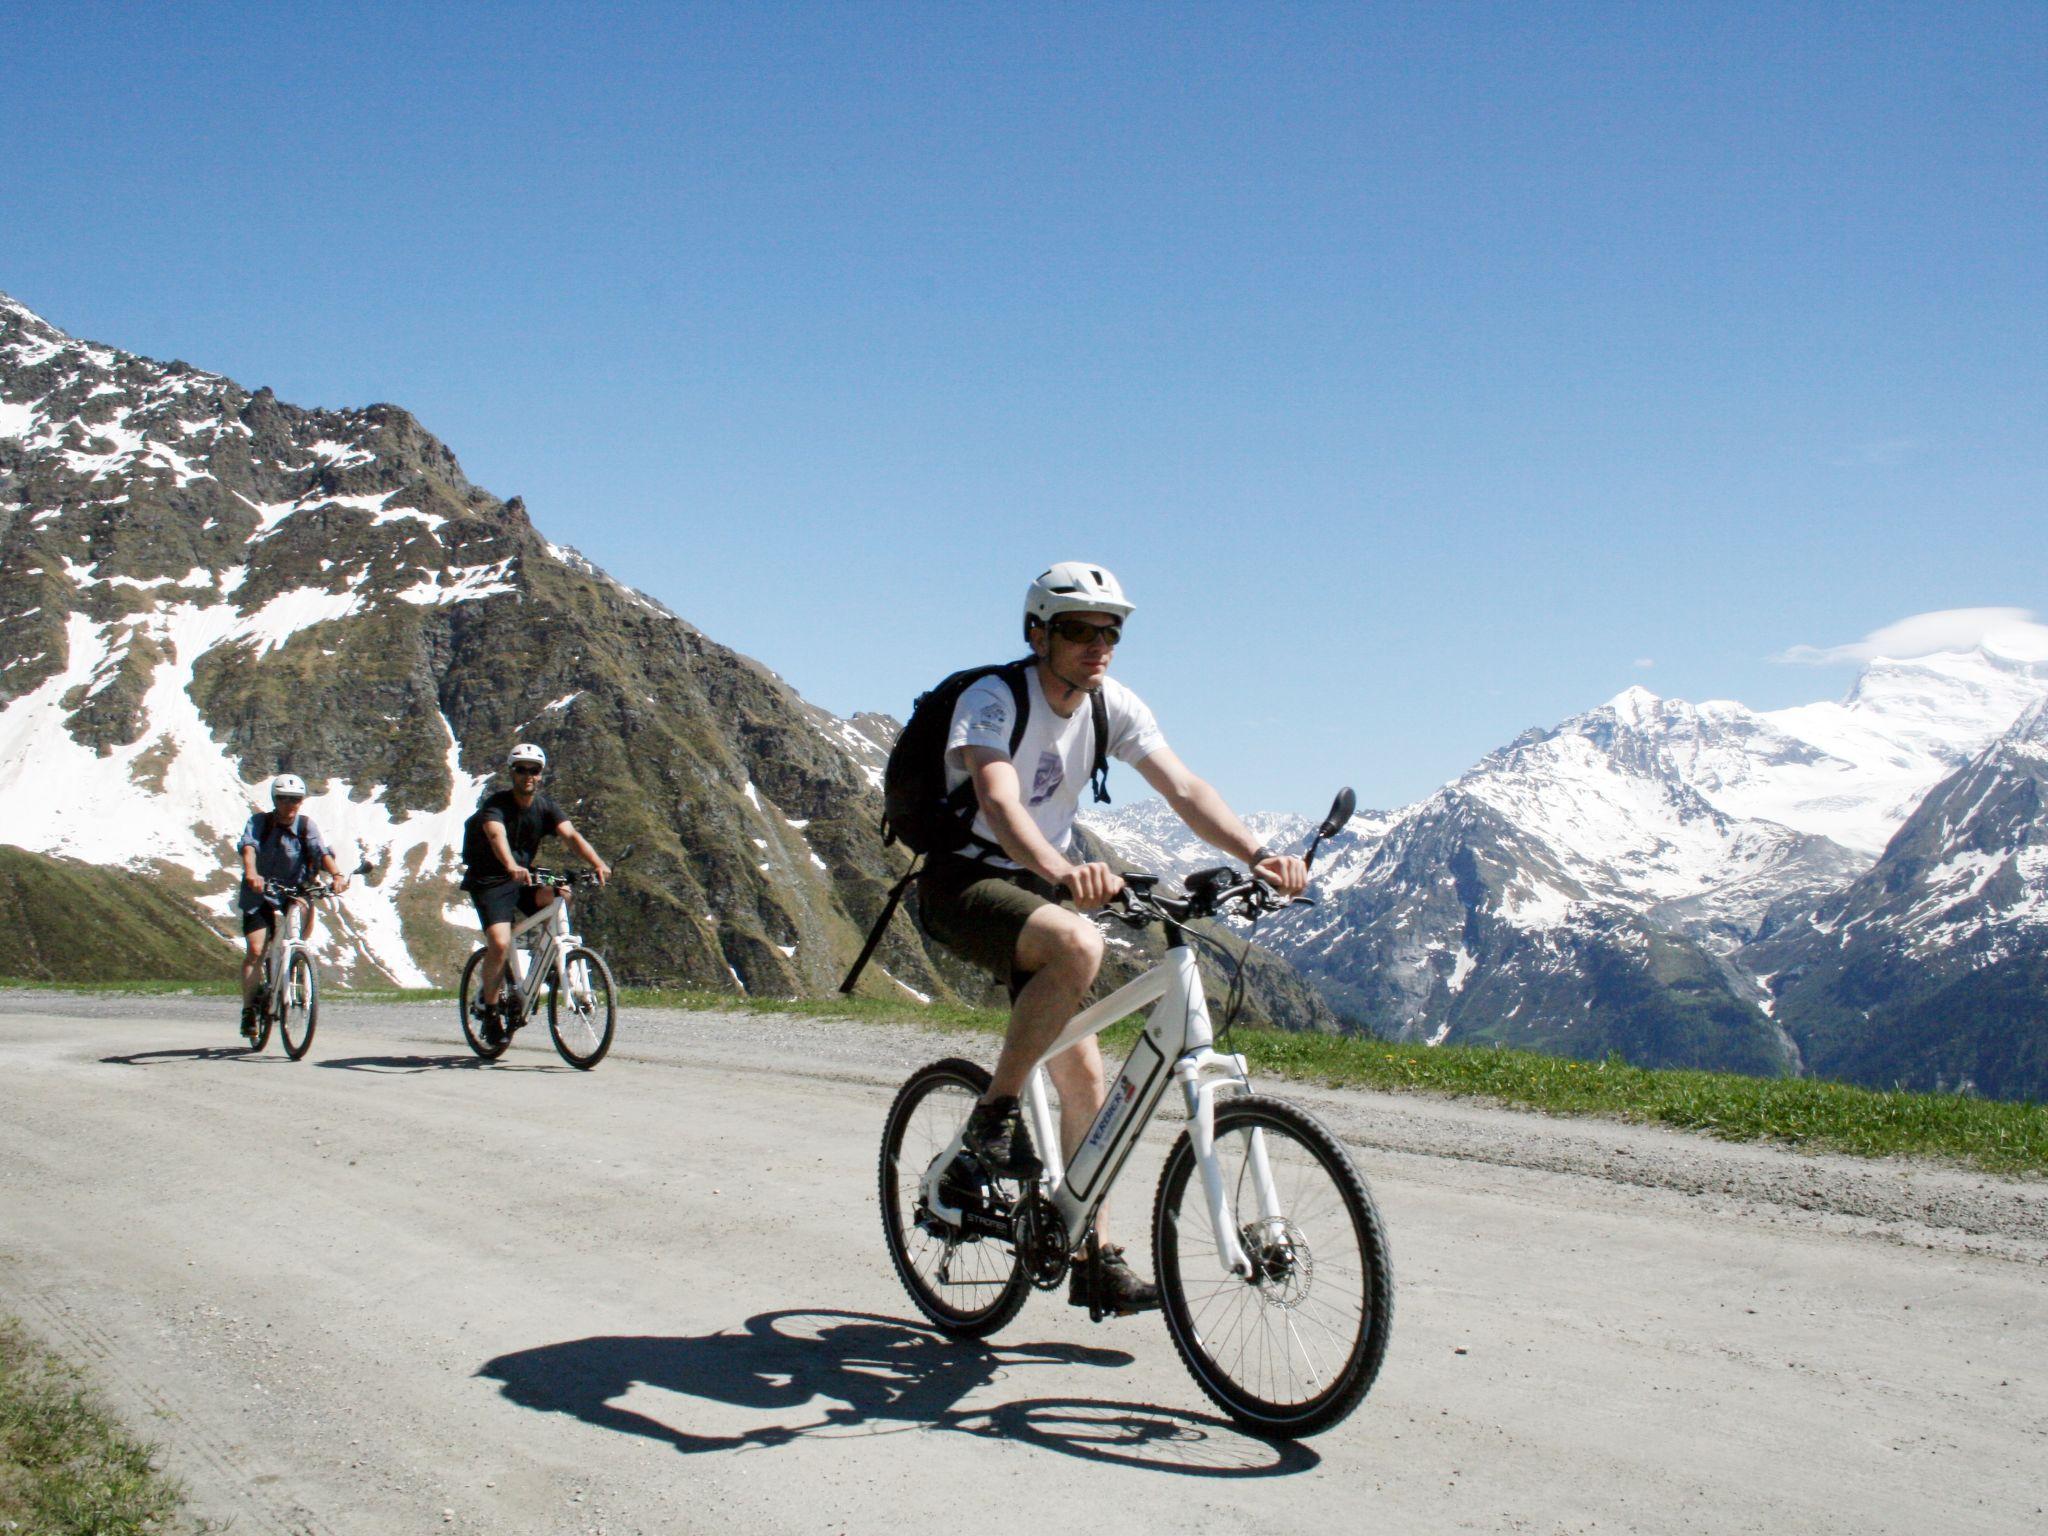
<point>288,996</point>
<point>1273,1267</point>
<point>547,957</point>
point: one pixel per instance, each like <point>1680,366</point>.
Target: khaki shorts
<point>979,912</point>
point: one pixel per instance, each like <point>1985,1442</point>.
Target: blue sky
<point>1426,372</point>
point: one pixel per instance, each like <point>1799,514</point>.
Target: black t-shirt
<point>524,828</point>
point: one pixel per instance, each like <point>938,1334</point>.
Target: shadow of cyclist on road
<point>451,1062</point>
<point>875,1375</point>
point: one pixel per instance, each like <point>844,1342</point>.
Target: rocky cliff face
<point>201,586</point>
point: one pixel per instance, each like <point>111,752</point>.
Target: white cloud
<point>2011,632</point>
<point>1644,663</point>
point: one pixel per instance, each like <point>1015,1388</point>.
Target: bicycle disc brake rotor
<point>1283,1268</point>
<point>1041,1241</point>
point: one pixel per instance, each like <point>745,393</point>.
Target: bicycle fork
<point>1202,1091</point>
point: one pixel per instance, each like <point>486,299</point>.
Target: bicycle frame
<point>556,939</point>
<point>1177,1046</point>
<point>283,941</point>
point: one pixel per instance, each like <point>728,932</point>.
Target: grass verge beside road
<point>65,1465</point>
<point>1806,1114</point>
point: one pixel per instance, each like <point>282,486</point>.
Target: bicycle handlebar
<point>560,879</point>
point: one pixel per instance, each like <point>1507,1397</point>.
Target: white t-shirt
<point>1056,755</point>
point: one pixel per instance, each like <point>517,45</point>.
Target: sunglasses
<point>521,771</point>
<point>1081,632</point>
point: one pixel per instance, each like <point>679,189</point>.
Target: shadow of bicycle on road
<point>241,1053</point>
<point>884,1376</point>
<point>450,1062</point>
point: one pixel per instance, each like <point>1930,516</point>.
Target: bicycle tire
<point>466,1001</point>
<point>298,1012</point>
<point>582,1036</point>
<point>927,1111</point>
<point>266,1018</point>
<point>1263,1348</point>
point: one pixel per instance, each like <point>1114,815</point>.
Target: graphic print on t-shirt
<point>1051,774</point>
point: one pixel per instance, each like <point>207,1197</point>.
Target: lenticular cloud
<point>2010,632</point>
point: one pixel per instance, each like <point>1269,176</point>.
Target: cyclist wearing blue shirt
<point>278,847</point>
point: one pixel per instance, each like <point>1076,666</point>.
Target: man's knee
<point>1067,945</point>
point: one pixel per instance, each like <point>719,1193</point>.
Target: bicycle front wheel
<point>469,999</point>
<point>969,1286</point>
<point>1293,1348</point>
<point>298,1009</point>
<point>582,1013</point>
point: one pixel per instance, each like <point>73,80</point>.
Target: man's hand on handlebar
<point>602,870</point>
<point>1092,885</point>
<point>1287,873</point>
<point>340,883</point>
<point>521,875</point>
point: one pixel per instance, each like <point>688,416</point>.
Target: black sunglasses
<point>1081,632</point>
<point>520,770</point>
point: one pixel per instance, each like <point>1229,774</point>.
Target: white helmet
<point>287,786</point>
<point>1074,586</point>
<point>527,752</point>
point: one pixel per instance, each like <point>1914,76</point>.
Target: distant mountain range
<point>1855,888</point>
<point>201,586</point>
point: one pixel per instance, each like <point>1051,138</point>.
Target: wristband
<point>1264,852</point>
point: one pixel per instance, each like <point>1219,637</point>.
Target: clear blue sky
<point>1423,370</point>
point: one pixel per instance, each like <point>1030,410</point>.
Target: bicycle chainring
<point>1041,1240</point>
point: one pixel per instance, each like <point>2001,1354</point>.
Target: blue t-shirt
<point>289,854</point>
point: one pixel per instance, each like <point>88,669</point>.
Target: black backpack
<point>918,810</point>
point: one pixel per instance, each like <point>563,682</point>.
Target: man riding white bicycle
<point>499,844</point>
<point>278,848</point>
<point>996,901</point>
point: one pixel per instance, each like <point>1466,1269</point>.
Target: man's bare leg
<point>252,963</point>
<point>1065,950</point>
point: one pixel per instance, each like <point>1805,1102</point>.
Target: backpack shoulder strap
<point>1099,708</point>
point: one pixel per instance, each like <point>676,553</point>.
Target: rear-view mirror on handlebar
<point>1340,814</point>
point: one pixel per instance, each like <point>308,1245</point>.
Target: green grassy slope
<point>65,921</point>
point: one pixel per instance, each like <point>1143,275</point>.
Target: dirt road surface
<point>388,1290</point>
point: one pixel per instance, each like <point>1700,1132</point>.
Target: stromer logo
<point>1119,1100</point>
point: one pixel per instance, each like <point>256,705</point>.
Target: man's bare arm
<point>494,834</point>
<point>997,788</point>
<point>582,849</point>
<point>1198,804</point>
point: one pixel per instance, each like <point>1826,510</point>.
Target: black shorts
<point>264,917</point>
<point>505,902</point>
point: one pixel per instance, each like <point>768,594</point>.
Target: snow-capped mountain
<point>1932,969</point>
<point>201,586</point>
<point>1602,885</point>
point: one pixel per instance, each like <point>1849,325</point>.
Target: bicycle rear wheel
<point>969,1286</point>
<point>468,1000</point>
<point>581,1016</point>
<point>298,1010</point>
<point>1292,1349</point>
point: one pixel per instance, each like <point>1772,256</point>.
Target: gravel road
<point>387,1289</point>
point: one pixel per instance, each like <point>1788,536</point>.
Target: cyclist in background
<point>999,907</point>
<point>280,847</point>
<point>499,844</point>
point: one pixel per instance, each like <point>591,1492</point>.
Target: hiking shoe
<point>1110,1286</point>
<point>491,1029</point>
<point>997,1135</point>
<point>248,1021</point>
